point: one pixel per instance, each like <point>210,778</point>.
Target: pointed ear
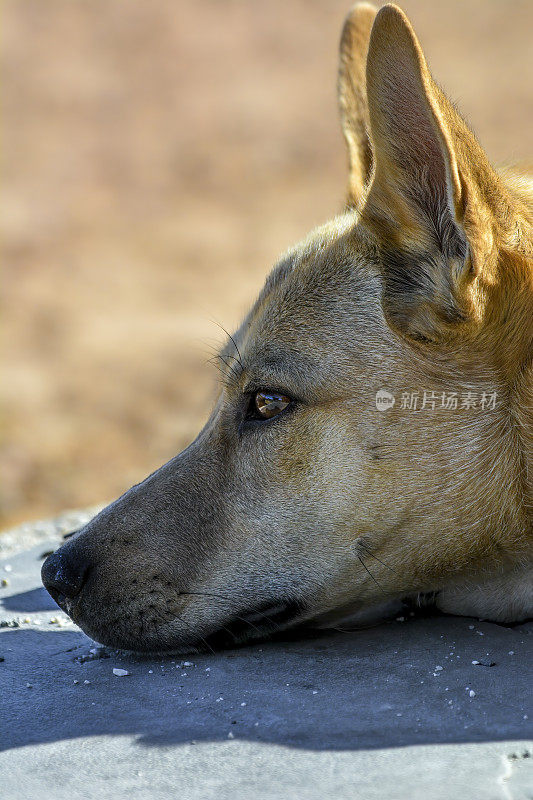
<point>429,200</point>
<point>352,97</point>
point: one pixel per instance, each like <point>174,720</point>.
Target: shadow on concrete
<point>32,600</point>
<point>374,688</point>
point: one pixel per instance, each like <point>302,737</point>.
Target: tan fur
<point>352,98</point>
<point>424,283</point>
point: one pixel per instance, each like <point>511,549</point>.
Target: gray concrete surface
<point>364,715</point>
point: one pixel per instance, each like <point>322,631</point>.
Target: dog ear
<point>431,198</point>
<point>351,89</point>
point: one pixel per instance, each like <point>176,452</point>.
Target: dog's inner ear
<point>352,98</point>
<point>425,202</point>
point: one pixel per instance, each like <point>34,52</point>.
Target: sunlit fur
<point>425,283</point>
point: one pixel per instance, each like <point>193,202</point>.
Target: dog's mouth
<point>250,625</point>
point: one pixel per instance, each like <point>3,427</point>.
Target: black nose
<point>63,575</point>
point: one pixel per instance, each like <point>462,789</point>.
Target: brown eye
<point>269,404</point>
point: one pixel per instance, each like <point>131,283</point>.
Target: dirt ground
<point>157,158</point>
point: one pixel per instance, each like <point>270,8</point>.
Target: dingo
<point>373,437</point>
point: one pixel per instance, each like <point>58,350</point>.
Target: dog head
<point>370,439</point>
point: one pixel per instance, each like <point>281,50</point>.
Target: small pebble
<point>86,683</point>
<point>120,672</point>
<point>438,669</point>
<point>5,582</point>
<point>472,693</point>
<point>8,568</point>
<point>230,735</point>
<point>511,652</point>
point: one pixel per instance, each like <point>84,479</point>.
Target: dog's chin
<point>250,626</point>
<point>161,641</point>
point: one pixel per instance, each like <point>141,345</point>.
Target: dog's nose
<point>63,576</point>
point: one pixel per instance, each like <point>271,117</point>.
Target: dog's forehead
<point>320,290</point>
<point>317,308</point>
<point>320,254</point>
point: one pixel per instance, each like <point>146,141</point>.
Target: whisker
<point>225,379</point>
<point>372,555</point>
<point>366,568</point>
<point>233,376</point>
<point>190,626</point>
<point>238,351</point>
<point>242,619</point>
<point>232,340</point>
<point>230,366</point>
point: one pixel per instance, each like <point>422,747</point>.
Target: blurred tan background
<point>157,157</point>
